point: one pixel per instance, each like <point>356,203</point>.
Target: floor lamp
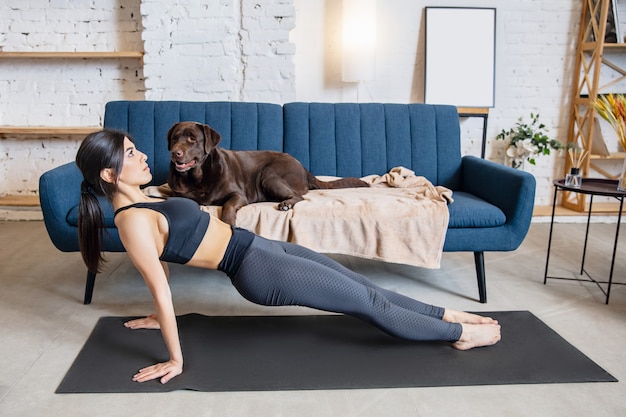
<point>359,41</point>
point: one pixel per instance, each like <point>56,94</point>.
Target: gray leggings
<point>277,273</point>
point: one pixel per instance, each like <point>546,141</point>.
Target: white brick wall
<point>220,50</point>
<point>264,50</point>
<point>226,50</point>
<point>61,92</point>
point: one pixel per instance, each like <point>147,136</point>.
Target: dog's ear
<point>169,137</point>
<point>211,137</point>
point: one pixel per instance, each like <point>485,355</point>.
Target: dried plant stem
<point>577,156</point>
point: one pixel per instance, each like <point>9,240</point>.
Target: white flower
<point>529,146</point>
<point>511,151</point>
<point>518,153</point>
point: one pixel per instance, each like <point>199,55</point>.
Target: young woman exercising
<point>155,231</point>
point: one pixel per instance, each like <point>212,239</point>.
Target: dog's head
<point>189,144</point>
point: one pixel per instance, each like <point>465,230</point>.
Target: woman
<point>155,231</point>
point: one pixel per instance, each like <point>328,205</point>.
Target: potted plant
<point>526,141</point>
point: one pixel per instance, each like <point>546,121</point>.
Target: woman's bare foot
<point>477,335</point>
<point>454,316</point>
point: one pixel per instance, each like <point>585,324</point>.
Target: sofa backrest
<point>242,126</point>
<point>343,139</point>
<point>355,140</point>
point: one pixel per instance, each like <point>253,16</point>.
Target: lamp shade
<point>359,40</point>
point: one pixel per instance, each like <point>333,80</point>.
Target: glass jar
<point>573,179</point>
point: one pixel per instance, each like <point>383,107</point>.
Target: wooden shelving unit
<point>61,130</point>
<point>590,60</point>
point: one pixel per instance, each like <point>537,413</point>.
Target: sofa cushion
<point>466,211</point>
<point>469,211</point>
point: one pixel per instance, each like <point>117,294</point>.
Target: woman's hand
<point>165,371</point>
<point>150,322</point>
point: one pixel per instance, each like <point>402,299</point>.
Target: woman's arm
<point>152,320</point>
<point>142,240</point>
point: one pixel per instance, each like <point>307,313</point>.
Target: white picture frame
<point>460,56</point>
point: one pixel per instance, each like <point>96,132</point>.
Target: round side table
<point>592,187</point>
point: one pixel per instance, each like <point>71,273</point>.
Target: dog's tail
<point>348,182</point>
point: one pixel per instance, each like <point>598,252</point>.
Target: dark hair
<point>99,150</point>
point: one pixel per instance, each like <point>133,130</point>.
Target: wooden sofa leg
<point>91,280</point>
<point>479,260</point>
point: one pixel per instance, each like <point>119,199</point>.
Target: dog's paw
<point>285,206</point>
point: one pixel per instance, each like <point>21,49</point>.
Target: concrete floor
<point>44,325</point>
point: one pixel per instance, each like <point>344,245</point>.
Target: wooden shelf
<point>71,55</point>
<point>617,46</point>
<point>591,46</point>
<point>615,155</point>
<point>19,201</point>
<point>599,209</point>
<point>48,130</point>
<point>473,110</point>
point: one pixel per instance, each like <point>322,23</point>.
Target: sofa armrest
<point>511,190</point>
<point>59,192</point>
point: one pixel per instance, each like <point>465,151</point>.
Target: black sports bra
<point>187,226</point>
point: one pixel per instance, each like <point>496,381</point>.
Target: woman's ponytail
<point>98,151</point>
<point>90,225</point>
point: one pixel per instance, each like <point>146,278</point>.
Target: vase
<point>573,179</point>
<point>621,182</point>
<point>514,163</point>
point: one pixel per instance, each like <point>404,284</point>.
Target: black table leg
<point>582,263</point>
<point>545,275</point>
<point>619,220</point>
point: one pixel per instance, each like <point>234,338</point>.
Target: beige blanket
<point>401,218</point>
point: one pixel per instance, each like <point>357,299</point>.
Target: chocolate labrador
<point>232,179</point>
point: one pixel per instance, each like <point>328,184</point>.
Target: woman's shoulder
<point>135,215</point>
<point>139,228</point>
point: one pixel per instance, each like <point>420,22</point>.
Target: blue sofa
<point>492,206</point>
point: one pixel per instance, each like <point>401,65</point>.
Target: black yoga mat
<point>271,353</point>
